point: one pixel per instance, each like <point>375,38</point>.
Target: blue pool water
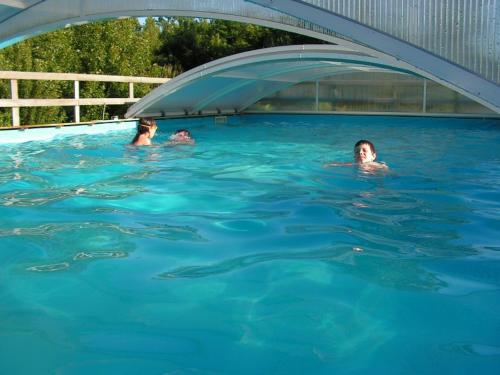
<point>243,255</point>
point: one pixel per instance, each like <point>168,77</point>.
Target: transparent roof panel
<point>233,83</point>
<point>9,8</point>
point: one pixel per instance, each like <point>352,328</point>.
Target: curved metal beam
<point>43,16</point>
<point>20,4</point>
<point>423,62</point>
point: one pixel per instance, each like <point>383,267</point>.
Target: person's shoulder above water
<point>146,130</point>
<point>373,166</point>
<point>181,137</point>
<point>364,157</point>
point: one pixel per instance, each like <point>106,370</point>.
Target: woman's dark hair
<point>145,123</point>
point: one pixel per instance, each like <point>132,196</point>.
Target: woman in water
<point>145,132</point>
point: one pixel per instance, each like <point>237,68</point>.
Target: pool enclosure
<point>306,79</point>
<point>418,56</point>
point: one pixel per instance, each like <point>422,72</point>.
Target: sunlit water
<point>243,255</point>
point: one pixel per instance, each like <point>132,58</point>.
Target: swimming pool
<point>243,255</point>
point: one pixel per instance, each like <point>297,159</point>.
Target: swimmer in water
<point>145,132</point>
<point>181,136</point>
<point>364,157</point>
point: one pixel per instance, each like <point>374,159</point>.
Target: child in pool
<point>181,136</point>
<point>145,132</point>
<point>364,157</point>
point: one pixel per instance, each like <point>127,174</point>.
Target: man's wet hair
<point>365,142</point>
<point>183,130</point>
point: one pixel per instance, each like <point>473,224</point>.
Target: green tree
<point>190,42</point>
<point>121,47</point>
<point>33,55</point>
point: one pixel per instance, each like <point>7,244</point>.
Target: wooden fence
<point>15,103</point>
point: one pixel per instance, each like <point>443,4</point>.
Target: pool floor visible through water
<point>243,254</point>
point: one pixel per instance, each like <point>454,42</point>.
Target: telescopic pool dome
<point>232,84</point>
<point>454,43</point>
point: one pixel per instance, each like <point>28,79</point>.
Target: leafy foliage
<point>190,42</point>
<point>121,47</point>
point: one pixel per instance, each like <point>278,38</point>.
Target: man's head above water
<point>364,152</point>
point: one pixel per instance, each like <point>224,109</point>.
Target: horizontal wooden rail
<point>11,103</point>
<point>15,103</point>
<point>10,74</point>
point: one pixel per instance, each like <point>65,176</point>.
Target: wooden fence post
<point>14,96</point>
<point>131,90</point>
<point>77,96</point>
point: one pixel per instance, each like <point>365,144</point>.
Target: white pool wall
<point>21,135</point>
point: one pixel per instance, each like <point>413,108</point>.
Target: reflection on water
<point>81,256</point>
<point>49,267</point>
<point>99,254</point>
<point>244,247</point>
<point>174,233</point>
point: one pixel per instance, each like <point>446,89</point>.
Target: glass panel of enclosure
<point>443,100</point>
<point>370,92</point>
